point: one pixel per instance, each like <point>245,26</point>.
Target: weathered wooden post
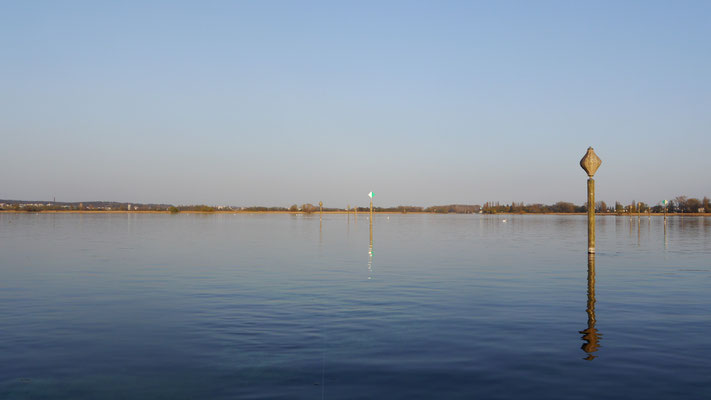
<point>320,208</point>
<point>590,163</point>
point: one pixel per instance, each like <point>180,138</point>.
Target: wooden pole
<point>591,216</point>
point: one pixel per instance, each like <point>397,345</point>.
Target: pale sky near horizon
<point>422,102</point>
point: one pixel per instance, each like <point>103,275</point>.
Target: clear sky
<point>431,102</point>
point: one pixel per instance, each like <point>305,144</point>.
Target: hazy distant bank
<point>316,213</point>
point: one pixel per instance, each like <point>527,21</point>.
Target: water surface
<point>290,306</point>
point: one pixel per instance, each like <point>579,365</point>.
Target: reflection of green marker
<point>664,203</point>
<point>370,249</point>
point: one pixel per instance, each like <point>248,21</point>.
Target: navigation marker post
<point>590,163</point>
<point>371,205</point>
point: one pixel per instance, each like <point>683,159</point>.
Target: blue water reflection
<point>290,306</point>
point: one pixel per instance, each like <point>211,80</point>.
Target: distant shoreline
<point>332,212</point>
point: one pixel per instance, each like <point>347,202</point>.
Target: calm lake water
<point>126,306</point>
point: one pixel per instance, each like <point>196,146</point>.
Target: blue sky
<point>275,103</point>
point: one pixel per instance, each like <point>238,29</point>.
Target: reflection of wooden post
<point>590,163</point>
<point>371,238</point>
<point>590,335</point>
<point>665,235</point>
<point>664,203</point>
<point>631,213</point>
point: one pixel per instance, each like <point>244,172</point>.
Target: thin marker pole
<point>591,216</point>
<point>371,205</point>
<point>590,163</point>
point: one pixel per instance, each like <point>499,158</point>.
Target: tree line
<point>679,204</point>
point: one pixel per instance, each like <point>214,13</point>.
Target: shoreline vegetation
<point>680,205</point>
<point>611,214</point>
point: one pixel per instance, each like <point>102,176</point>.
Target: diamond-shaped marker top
<point>590,162</point>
